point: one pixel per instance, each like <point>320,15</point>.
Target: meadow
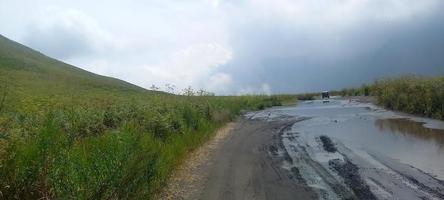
<point>108,148</point>
<point>66,133</point>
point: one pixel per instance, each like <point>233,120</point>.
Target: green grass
<point>412,94</point>
<point>66,133</point>
<point>308,96</point>
<point>421,95</point>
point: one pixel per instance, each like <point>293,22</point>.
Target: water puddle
<point>364,127</point>
<point>410,128</point>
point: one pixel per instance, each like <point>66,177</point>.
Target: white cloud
<point>180,51</point>
<point>190,66</point>
<point>220,83</point>
<point>214,3</point>
<point>263,88</point>
<point>67,34</point>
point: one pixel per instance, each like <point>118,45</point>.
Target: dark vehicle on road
<point>325,95</point>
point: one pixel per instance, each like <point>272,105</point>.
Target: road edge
<point>184,181</point>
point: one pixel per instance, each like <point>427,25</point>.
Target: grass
<point>412,94</point>
<point>308,96</point>
<point>69,134</point>
<point>421,95</point>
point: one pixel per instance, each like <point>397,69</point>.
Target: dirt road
<point>339,150</point>
<point>244,164</point>
<point>249,166</point>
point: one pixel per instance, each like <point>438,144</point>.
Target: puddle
<point>409,128</point>
<point>362,127</point>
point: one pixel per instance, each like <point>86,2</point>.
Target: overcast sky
<point>235,46</point>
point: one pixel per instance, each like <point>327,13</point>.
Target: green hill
<point>26,72</point>
<point>66,133</point>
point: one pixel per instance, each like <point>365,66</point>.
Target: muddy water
<point>379,154</point>
<point>414,130</point>
<point>366,127</point>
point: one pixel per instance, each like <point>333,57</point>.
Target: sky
<point>235,46</point>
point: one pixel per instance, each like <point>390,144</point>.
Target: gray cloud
<point>294,58</point>
<point>59,42</point>
<point>233,47</point>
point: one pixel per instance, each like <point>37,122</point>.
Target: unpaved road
<point>337,150</point>
<point>248,166</point>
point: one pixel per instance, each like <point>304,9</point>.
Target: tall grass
<point>364,90</point>
<point>308,96</point>
<point>419,95</point>
<point>412,94</point>
<point>109,147</point>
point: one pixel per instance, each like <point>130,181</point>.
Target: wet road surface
<point>337,150</point>
<point>249,166</point>
<point>347,149</point>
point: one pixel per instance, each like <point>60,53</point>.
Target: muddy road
<point>337,150</point>
<point>249,166</point>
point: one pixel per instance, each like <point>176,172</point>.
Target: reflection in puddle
<point>365,128</point>
<point>373,130</point>
<point>409,128</point>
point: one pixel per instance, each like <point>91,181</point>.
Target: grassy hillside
<point>66,133</point>
<point>26,73</point>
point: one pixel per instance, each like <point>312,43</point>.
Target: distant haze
<point>236,47</point>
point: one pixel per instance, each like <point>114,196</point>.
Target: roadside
<point>188,178</point>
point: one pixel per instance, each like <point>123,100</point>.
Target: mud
<point>350,173</point>
<point>327,144</point>
<point>346,149</point>
<point>249,165</point>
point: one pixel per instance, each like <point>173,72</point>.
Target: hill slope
<point>26,71</point>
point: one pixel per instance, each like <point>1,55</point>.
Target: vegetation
<point>69,134</point>
<point>364,90</point>
<point>307,96</point>
<point>412,94</point>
